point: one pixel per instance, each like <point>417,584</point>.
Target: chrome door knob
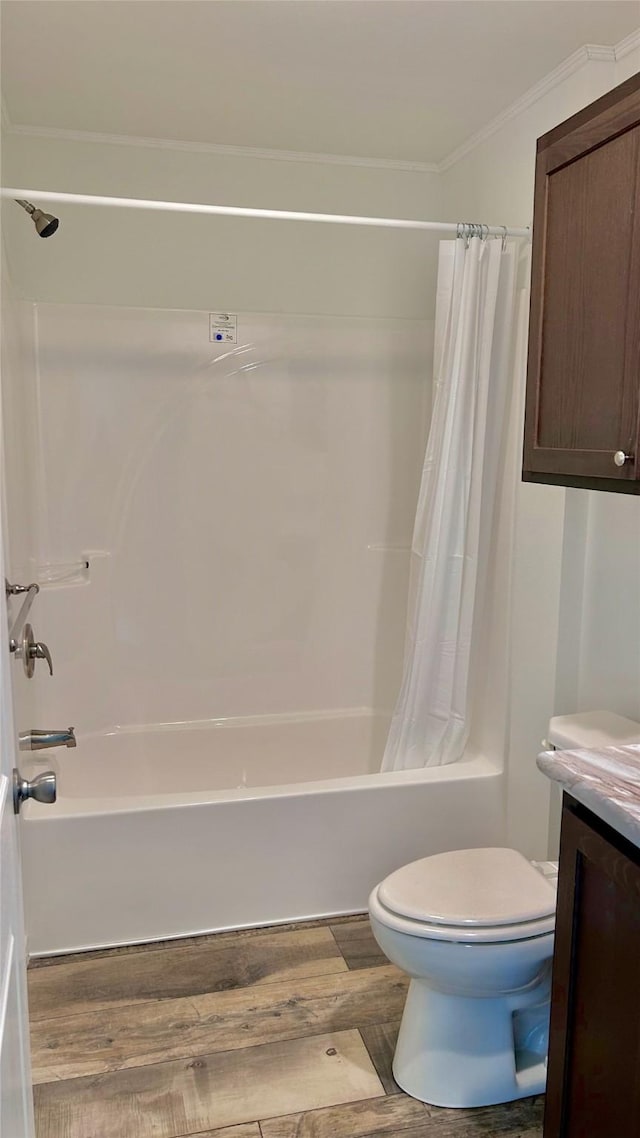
<point>620,458</point>
<point>42,788</point>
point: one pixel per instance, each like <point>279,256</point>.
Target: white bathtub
<point>185,829</point>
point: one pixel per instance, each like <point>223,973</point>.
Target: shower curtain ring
<point>504,238</point>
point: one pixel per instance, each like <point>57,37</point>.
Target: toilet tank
<point>591,729</point>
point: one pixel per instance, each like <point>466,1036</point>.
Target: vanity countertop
<point>606,780</point>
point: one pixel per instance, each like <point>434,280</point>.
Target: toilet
<point>474,931</point>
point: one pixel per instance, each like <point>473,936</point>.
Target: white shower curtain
<point>475,323</point>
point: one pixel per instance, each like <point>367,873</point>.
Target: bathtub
<point>181,829</point>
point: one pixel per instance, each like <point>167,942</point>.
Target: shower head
<point>45,223</point>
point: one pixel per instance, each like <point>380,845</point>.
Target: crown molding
<point>628,44</point>
<point>602,53</point>
<point>60,134</point>
<point>590,52</point>
<point>599,53</point>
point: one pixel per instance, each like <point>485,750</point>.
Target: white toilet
<point>474,931</point>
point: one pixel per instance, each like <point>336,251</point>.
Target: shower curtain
<point>473,374</point>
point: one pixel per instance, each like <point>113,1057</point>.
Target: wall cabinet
<point>593,1085</point>
<point>582,422</point>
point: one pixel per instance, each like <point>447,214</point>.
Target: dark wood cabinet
<point>582,422</point>
<point>593,1086</point>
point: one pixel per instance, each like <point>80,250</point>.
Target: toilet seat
<point>475,896</point>
<point>464,934</point>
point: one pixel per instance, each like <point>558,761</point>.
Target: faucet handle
<point>32,650</point>
<point>39,651</point>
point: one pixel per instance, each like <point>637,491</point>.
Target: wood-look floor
<point>285,1033</point>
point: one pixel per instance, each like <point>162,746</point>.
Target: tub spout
<point>41,740</point>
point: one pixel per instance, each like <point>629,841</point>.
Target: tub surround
<point>308,434</point>
<point>604,779</point>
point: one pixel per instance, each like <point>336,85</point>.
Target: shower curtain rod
<point>459,228</point>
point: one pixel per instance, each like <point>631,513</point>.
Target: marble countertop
<point>606,780</point>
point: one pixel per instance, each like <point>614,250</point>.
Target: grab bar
<point>30,594</point>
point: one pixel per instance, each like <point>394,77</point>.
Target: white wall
<point>199,262</point>
<point>609,662</point>
<point>576,565</point>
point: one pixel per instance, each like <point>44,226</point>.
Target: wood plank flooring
<point>285,1033</point>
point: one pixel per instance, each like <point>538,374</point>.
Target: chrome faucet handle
<point>39,651</point>
<point>31,650</point>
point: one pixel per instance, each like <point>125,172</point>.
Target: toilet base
<point>458,1051</point>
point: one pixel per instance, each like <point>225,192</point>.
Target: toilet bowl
<point>474,931</point>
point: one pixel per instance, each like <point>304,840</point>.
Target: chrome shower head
<point>45,223</point>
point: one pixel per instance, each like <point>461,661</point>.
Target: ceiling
<point>403,80</point>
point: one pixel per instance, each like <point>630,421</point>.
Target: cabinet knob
<point>620,458</point>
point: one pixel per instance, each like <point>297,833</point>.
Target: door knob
<point>42,788</point>
<point>620,458</point>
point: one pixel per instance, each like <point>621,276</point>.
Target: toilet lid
<point>469,888</point>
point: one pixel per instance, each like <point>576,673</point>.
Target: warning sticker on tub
<point>223,328</point>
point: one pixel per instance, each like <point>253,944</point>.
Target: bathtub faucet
<point>42,740</point>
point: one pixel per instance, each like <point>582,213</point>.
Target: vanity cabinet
<point>593,1085</point>
<point>582,421</point>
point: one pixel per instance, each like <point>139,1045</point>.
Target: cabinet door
<point>583,388</point>
<point>593,1086</point>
